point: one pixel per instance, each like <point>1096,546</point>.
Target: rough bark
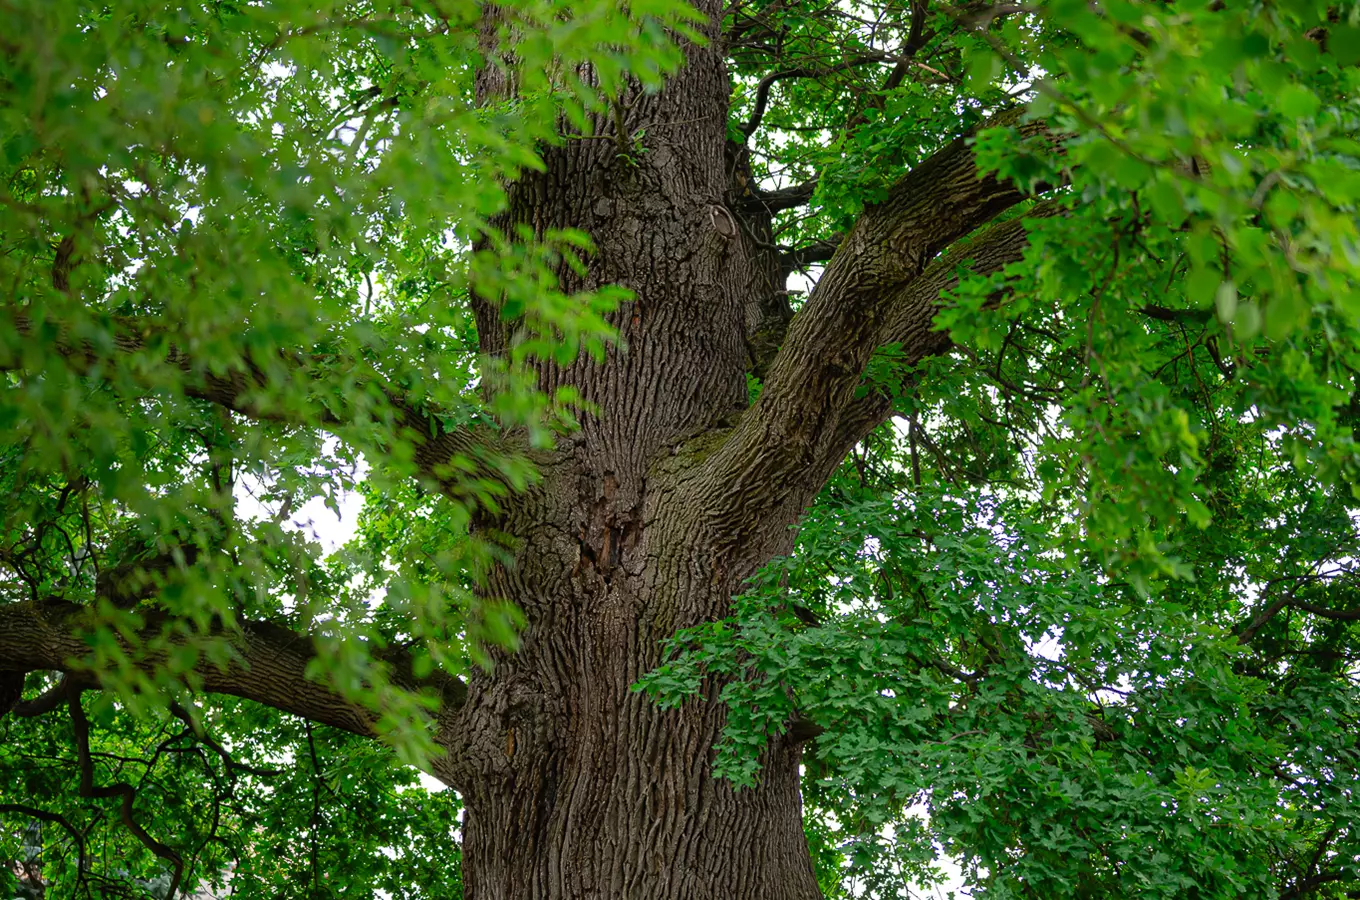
<point>789,441</point>
<point>912,308</point>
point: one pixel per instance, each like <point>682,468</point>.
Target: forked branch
<point>882,286</point>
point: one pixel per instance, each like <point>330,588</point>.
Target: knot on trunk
<point>506,727</point>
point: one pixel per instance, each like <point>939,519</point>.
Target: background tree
<point>1038,321</point>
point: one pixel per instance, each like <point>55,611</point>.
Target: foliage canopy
<point>1082,615</point>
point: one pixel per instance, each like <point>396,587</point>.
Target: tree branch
<point>916,39</point>
<point>912,312</point>
<point>238,390</point>
<point>778,200</point>
<point>126,793</point>
<point>53,697</point>
<point>763,95</point>
<point>42,815</point>
<point>1336,615</point>
<point>1164,314</point>
<point>802,257</point>
<point>769,81</point>
<point>270,665</point>
<point>780,451</point>
<point>246,388</point>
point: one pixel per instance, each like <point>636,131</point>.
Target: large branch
<point>270,666</point>
<point>912,312</point>
<point>882,286</point>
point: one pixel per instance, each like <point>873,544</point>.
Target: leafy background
<point>1081,617</point>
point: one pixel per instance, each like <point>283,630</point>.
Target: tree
<point>795,439</point>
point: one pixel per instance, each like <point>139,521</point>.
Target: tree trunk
<point>574,785</point>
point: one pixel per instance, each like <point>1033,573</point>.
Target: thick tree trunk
<point>574,785</point>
